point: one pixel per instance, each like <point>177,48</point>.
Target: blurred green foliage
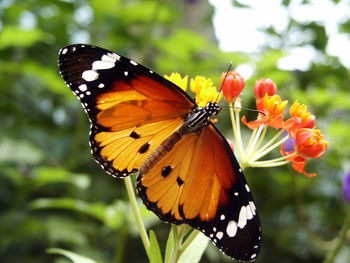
<point>53,195</point>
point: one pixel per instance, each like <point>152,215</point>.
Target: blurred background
<point>52,194</point>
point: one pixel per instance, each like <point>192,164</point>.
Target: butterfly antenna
<point>222,84</point>
<point>242,108</point>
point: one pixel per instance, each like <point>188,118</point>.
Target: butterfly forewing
<point>133,111</point>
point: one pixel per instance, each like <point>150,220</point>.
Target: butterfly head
<point>212,108</point>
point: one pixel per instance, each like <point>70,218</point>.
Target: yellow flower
<point>205,91</point>
<point>178,80</point>
<point>297,110</point>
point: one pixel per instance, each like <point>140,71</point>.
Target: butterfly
<point>142,123</point>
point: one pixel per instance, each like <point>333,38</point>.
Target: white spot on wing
<point>83,87</point>
<point>114,55</point>
<point>88,93</point>
<point>236,193</point>
<point>126,73</point>
<point>107,58</point>
<point>101,85</point>
<point>64,51</point>
<point>97,65</point>
<point>219,234</point>
<point>133,62</point>
<point>252,206</point>
<point>231,228</point>
<point>89,75</point>
<point>249,212</point>
<point>247,188</point>
<point>222,217</point>
<point>242,218</point>
<point>253,256</point>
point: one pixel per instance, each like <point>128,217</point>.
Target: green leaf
<point>112,215</point>
<point>47,175</point>
<point>169,245</point>
<point>47,75</point>
<point>19,151</point>
<point>141,12</point>
<point>18,37</point>
<point>76,258</point>
<point>154,251</point>
<point>195,250</point>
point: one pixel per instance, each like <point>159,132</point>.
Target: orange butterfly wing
<point>207,190</point>
<point>131,109</point>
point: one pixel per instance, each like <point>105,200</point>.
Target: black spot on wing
<point>134,135</point>
<point>144,148</point>
<point>179,181</point>
<point>166,171</point>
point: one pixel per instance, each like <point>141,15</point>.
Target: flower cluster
<point>297,136</point>
<point>300,139</point>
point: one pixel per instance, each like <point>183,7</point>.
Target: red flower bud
<point>263,86</point>
<point>232,86</point>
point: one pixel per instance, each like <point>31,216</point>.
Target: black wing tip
<point>72,48</point>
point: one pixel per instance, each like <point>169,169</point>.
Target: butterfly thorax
<point>199,117</point>
<point>194,122</point>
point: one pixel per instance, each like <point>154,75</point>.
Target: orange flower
<point>301,118</point>
<point>309,143</point>
<point>273,107</point>
<point>232,85</point>
<point>263,86</point>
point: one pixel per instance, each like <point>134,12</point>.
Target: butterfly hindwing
<point>199,182</point>
<point>131,109</point>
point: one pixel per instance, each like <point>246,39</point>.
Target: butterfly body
<point>141,122</point>
<point>193,122</point>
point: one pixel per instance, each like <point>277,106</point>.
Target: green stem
<point>135,208</point>
<point>340,240</point>
<point>253,143</point>
<point>262,136</point>
<point>236,132</point>
<point>272,161</point>
<point>261,154</point>
<point>270,142</point>
<point>267,164</point>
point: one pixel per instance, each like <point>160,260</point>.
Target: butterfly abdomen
<point>161,151</point>
<point>194,122</point>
